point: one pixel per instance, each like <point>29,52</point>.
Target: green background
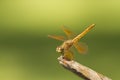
<point>26,53</point>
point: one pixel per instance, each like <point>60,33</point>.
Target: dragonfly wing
<point>81,47</point>
<point>68,55</point>
<point>68,33</point>
<point>61,38</point>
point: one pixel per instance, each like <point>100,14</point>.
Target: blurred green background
<point>26,53</point>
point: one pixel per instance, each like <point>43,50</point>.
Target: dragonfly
<point>65,48</point>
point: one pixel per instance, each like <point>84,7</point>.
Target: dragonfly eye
<point>59,49</point>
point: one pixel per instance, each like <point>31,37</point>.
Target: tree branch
<point>80,70</point>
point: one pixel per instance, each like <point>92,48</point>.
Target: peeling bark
<point>81,70</point>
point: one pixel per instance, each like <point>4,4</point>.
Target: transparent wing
<point>68,55</point>
<point>81,47</point>
<point>61,38</point>
<point>68,33</point>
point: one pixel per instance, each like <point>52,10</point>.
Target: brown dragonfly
<point>64,49</point>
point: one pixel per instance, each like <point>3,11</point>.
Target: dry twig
<point>80,70</point>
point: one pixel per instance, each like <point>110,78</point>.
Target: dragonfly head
<point>65,46</point>
<point>60,49</point>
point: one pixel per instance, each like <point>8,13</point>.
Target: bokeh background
<point>26,53</point>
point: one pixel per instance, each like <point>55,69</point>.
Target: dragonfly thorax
<point>65,46</point>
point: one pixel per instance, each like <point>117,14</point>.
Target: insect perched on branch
<point>64,49</point>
